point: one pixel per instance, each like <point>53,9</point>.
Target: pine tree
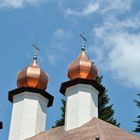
<point>62,119</point>
<point>106,112</point>
<point>137,129</point>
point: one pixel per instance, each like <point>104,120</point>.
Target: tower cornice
<point>70,83</point>
<point>44,93</point>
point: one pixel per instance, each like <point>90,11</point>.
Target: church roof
<point>88,131</point>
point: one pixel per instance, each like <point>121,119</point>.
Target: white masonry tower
<point>81,91</point>
<point>30,101</point>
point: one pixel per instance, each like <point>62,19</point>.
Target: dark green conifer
<point>137,129</point>
<point>60,122</point>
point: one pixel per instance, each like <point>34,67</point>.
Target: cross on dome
<point>36,49</point>
<point>83,40</point>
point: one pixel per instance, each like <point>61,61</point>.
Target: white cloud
<point>52,58</point>
<point>117,37</point>
<point>18,3</point>
<point>59,37</point>
<point>90,8</point>
<point>57,47</point>
<point>120,48</point>
<point>100,6</point>
<point>115,6</point>
<point>124,58</point>
<point>62,34</point>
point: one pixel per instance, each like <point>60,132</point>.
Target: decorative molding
<point>45,94</point>
<point>70,83</point>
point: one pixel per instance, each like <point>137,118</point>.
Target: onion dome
<point>32,76</point>
<point>82,67</point>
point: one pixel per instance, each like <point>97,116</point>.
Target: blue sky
<point>112,29</point>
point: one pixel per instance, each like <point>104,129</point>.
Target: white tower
<point>81,92</point>
<point>30,101</point>
<point>81,101</point>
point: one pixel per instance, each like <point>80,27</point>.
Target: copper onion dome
<point>32,76</point>
<point>82,67</point>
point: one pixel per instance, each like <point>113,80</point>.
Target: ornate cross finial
<point>36,49</point>
<point>83,40</point>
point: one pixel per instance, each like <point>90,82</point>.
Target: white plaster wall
<point>81,105</point>
<point>28,115</point>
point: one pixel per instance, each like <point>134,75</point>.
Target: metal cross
<point>83,40</point>
<point>36,49</point>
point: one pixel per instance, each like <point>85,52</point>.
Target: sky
<point>112,29</point>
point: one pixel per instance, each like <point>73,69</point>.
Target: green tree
<point>60,122</point>
<point>137,129</point>
<point>106,111</point>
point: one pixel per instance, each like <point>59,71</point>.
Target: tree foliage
<point>137,129</point>
<point>106,111</point>
<point>60,122</point>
